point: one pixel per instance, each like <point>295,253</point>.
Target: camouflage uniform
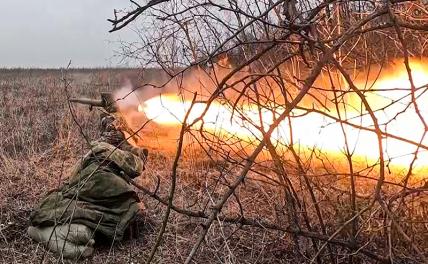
<point>95,200</point>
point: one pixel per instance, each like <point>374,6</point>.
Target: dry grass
<point>40,142</point>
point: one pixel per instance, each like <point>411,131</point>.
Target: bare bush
<point>247,185</point>
<point>285,61</point>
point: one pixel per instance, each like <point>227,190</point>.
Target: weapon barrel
<point>88,101</point>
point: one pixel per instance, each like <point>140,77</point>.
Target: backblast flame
<point>389,96</point>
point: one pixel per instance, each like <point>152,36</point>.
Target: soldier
<point>97,201</point>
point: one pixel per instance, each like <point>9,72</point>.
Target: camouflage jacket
<point>96,194</point>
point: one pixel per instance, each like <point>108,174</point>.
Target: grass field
<point>40,142</point>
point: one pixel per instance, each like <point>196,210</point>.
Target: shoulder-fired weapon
<point>109,104</point>
<point>106,101</point>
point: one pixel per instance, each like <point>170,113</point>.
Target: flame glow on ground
<point>315,129</point>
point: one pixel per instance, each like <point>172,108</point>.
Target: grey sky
<point>48,33</point>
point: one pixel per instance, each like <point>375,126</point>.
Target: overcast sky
<point>49,33</point>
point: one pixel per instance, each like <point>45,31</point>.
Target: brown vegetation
<point>40,143</point>
<point>214,197</point>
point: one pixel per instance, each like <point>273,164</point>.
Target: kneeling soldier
<point>96,201</point>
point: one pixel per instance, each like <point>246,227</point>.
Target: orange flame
<point>314,129</point>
